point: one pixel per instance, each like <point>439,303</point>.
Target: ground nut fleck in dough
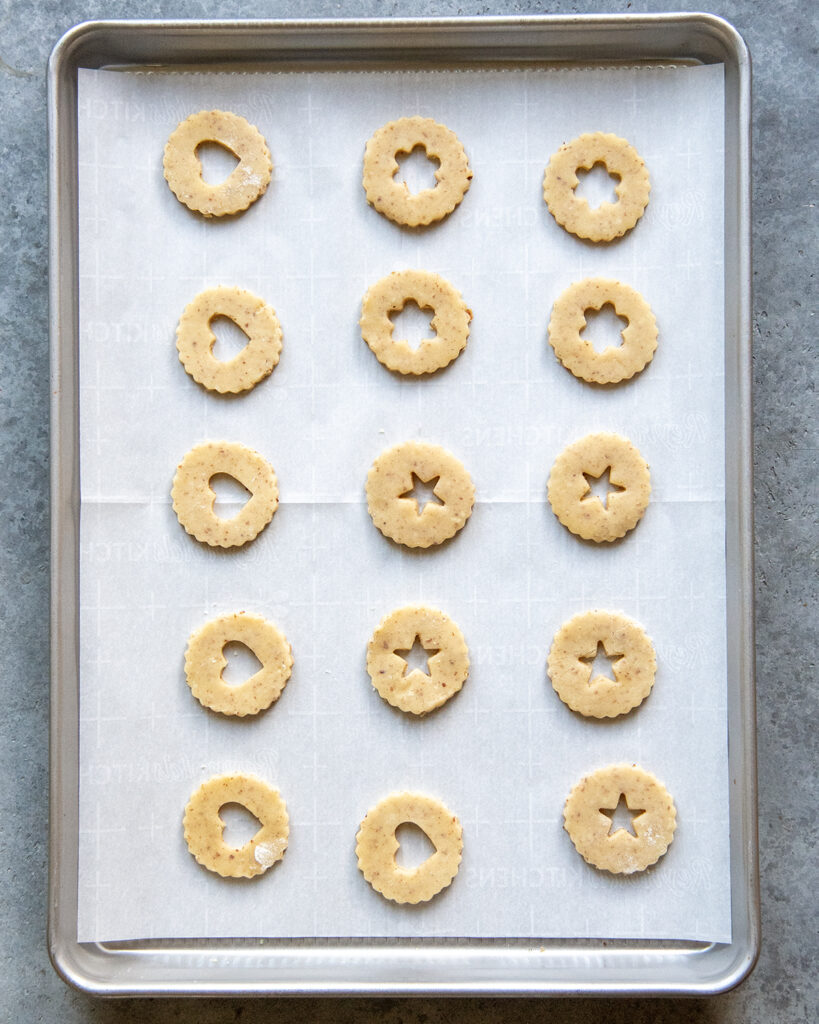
<point>621,853</point>
<point>195,340</point>
<point>417,692</point>
<point>609,220</point>
<point>429,291</point>
<point>391,476</point>
<point>393,198</point>
<point>205,661</point>
<point>575,643</point>
<point>204,827</point>
<point>376,846</point>
<point>193,497</point>
<point>183,170</point>
<point>582,512</point>
<point>577,354</point>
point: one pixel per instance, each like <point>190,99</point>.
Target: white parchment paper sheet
<point>505,752</point>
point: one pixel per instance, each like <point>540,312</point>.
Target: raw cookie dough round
<point>609,220</point>
<point>575,645</point>
<point>570,493</point>
<point>417,692</point>
<point>204,827</point>
<point>621,853</point>
<point>205,661</point>
<point>391,476</point>
<point>429,291</point>
<point>578,354</point>
<point>195,340</point>
<point>393,198</point>
<point>193,497</point>
<point>183,170</point>
<point>376,846</point>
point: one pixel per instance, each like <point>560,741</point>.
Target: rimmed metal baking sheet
<point>499,967</point>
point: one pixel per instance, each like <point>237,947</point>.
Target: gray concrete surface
<point>782,38</point>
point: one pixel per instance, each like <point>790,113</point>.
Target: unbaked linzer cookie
<point>397,514</point>
<point>607,221</point>
<point>376,846</point>
<point>592,830</point>
<point>183,168</point>
<point>570,493</point>
<point>393,198</point>
<point>417,692</point>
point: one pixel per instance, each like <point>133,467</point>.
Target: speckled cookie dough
<point>193,497</point>
<point>393,198</point>
<point>570,492</point>
<point>205,661</point>
<point>575,645</point>
<point>195,340</point>
<point>376,846</point>
<point>450,321</point>
<point>397,517</point>
<point>417,692</point>
<point>204,827</point>
<point>620,852</point>
<point>613,364</point>
<point>183,169</point>
<point>609,220</point>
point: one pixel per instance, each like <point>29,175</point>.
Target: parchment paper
<point>505,752</point>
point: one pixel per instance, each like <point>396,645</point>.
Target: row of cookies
<point>391,482</point>
<point>251,176</point>
<point>451,317</point>
<point>587,817</point>
<point>418,692</point>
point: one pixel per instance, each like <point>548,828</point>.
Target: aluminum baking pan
<point>430,967</point>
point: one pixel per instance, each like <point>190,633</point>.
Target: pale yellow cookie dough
<point>450,321</point>
<point>376,846</point>
<point>204,827</point>
<point>205,661</point>
<point>397,517</point>
<point>620,852</point>
<point>195,340</point>
<point>193,497</point>
<point>577,354</point>
<point>183,169</point>
<point>609,220</point>
<point>575,645</point>
<point>417,692</point>
<point>570,492</point>
<point>393,198</point>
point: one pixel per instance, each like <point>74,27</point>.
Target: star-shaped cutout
<point>600,487</point>
<point>417,657</point>
<point>622,816</point>
<point>422,492</point>
<point>601,663</point>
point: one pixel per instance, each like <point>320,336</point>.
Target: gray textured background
<point>782,37</point>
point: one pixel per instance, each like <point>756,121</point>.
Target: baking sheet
<point>504,753</point>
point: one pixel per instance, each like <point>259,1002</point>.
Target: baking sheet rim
<point>80,963</point>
